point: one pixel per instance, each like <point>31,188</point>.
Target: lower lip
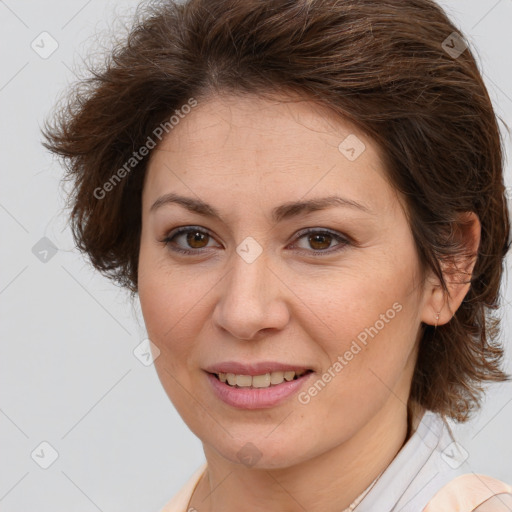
<point>256,398</point>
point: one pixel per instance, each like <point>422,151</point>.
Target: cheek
<point>161,304</point>
<point>156,287</point>
<point>369,320</point>
<point>167,308</point>
<point>173,303</point>
<point>347,301</point>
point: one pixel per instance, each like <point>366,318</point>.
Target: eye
<point>193,238</point>
<point>320,241</point>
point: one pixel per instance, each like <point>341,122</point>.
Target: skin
<point>245,156</point>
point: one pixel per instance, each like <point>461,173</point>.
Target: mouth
<point>265,380</point>
<point>257,391</point>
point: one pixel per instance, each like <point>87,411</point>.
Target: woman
<point>307,197</point>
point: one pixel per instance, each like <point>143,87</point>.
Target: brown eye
<point>195,239</point>
<point>188,240</point>
<point>320,241</point>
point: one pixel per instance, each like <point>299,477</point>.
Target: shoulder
<point>472,492</point>
<point>431,474</point>
<point>180,501</point>
<point>497,503</point>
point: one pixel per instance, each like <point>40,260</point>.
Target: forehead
<point>281,147</point>
<point>242,122</point>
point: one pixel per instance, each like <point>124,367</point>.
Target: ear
<point>439,308</point>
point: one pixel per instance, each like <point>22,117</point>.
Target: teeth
<point>243,381</point>
<point>289,375</point>
<point>259,381</point>
<point>276,377</point>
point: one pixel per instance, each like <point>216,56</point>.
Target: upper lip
<point>259,368</point>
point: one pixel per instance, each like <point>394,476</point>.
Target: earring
<point>437,319</point>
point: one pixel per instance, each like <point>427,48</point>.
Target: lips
<point>259,381</point>
<point>253,369</point>
<point>258,385</point>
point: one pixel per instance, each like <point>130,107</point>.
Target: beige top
<point>180,501</point>
<point>428,474</point>
<point>469,491</point>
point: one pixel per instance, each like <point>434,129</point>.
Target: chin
<point>259,452</point>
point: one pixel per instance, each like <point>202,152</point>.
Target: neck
<point>330,481</point>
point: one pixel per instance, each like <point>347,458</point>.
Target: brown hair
<point>380,64</point>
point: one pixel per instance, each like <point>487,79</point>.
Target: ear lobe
<point>457,271</point>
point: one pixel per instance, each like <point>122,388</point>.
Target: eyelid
<point>332,232</point>
<point>182,230</point>
<point>343,240</point>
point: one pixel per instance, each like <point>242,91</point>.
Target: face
<point>235,278</point>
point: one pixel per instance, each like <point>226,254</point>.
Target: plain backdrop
<point>73,396</point>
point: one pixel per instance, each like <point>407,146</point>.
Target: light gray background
<point>68,375</point>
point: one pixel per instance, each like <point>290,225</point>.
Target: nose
<point>252,299</point>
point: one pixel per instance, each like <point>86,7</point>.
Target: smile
<point>259,381</point>
<point>262,391</point>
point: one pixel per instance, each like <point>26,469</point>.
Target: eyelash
<point>342,241</point>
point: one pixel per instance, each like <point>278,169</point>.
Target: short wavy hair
<point>398,69</point>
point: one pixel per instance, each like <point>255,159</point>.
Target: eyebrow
<point>279,213</point>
